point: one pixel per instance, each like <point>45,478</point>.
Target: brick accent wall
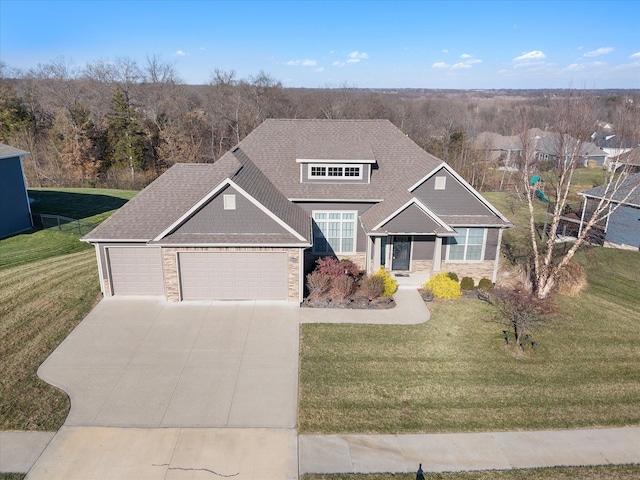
<point>476,271</point>
<point>172,280</point>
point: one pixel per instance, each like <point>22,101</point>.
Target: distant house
<point>622,227</point>
<point>15,211</point>
<point>613,144</point>
<point>252,224</point>
<point>629,161</point>
<point>553,147</point>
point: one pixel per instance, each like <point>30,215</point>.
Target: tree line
<point>121,124</point>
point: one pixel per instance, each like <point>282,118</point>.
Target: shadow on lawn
<point>73,205</point>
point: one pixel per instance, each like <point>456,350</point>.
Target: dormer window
<point>335,171</point>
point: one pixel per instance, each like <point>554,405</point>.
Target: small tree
<point>519,310</point>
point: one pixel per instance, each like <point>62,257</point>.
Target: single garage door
<point>136,270</point>
<point>233,275</point>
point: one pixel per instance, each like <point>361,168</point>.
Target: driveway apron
<point>186,370</point>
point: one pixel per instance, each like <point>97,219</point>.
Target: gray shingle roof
<point>630,188</point>
<point>276,144</point>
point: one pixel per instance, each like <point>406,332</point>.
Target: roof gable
<point>416,219</point>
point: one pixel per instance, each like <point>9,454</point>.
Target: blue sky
<point>366,44</point>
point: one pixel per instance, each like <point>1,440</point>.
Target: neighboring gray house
<point>15,211</point>
<point>252,224</point>
<point>552,147</point>
<point>629,161</point>
<point>622,227</point>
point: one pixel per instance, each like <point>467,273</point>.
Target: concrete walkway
<point>467,451</point>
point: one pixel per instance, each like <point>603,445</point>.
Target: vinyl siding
<point>455,199</point>
<point>410,220</point>
<point>246,218</point>
<point>423,247</point>
<point>624,226</point>
<point>14,203</point>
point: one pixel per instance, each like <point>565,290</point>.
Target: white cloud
<point>338,64</point>
<point>460,65</point>
<point>181,53</point>
<point>445,51</point>
<point>466,55</point>
<point>473,61</point>
<point>635,55</point>
<point>358,55</point>
<point>302,63</point>
<point>625,66</point>
<point>332,52</point>
<point>598,52</point>
<point>533,55</point>
<point>319,69</point>
<point>440,65</point>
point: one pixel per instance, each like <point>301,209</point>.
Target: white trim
<point>210,195</point>
<point>341,212</point>
<point>421,206</point>
<point>482,252</point>
<point>233,245</point>
<point>300,275</point>
<point>472,190</point>
<point>119,240</point>
<point>332,160</point>
<point>268,212</point>
<point>100,270</point>
<point>335,200</point>
<point>192,210</point>
<point>496,260</point>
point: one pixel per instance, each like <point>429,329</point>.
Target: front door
<point>401,253</point>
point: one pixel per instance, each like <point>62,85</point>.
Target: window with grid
<point>334,232</point>
<point>335,171</point>
<point>467,245</point>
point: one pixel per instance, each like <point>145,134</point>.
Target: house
<point>613,144</point>
<point>552,147</point>
<point>628,161</point>
<point>15,211</point>
<point>250,225</point>
<point>622,227</point>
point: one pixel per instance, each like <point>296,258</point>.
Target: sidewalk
<point>467,451</point>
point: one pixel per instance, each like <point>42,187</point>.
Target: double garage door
<point>233,275</point>
<point>256,275</point>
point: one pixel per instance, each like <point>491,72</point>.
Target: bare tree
<point>573,124</point>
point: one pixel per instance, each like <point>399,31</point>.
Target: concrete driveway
<point>148,363</point>
<point>172,391</point>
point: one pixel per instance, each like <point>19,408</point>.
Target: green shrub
<point>443,286</point>
<point>372,286</point>
<point>467,283</point>
<point>390,284</point>
<point>485,285</point>
<point>453,276</point>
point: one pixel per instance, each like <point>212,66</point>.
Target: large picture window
<point>334,232</point>
<point>467,245</point>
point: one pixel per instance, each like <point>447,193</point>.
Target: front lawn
<point>604,472</point>
<point>454,373</point>
<point>48,283</point>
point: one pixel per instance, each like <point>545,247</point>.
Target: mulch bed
<point>359,303</point>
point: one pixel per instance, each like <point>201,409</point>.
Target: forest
<point>121,124</point>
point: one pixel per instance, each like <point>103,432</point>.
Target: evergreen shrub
<point>390,284</point>
<point>443,286</point>
<point>467,283</point>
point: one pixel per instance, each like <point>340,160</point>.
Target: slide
<point>540,194</point>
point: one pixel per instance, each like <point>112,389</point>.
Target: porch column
<point>437,255</point>
<point>377,250</point>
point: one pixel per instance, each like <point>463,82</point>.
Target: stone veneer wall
<point>172,280</point>
<point>421,266</point>
<point>476,271</point>
<point>107,288</point>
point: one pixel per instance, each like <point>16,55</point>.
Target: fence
<point>62,224</point>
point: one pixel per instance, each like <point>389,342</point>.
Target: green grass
<point>604,472</point>
<point>48,283</point>
<point>455,373</point>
